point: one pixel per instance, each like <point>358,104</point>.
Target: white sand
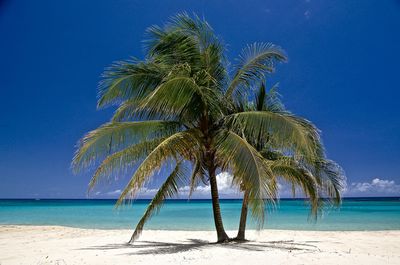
<point>62,245</point>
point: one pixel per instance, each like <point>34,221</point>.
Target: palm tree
<point>315,176</point>
<point>175,107</point>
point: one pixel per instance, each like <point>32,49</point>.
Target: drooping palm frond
<point>197,175</point>
<point>214,63</point>
<point>272,101</point>
<point>121,160</point>
<point>172,48</point>
<point>183,144</point>
<point>210,47</point>
<point>195,27</point>
<point>254,61</point>
<point>168,189</point>
<point>249,169</point>
<point>130,79</point>
<point>179,97</point>
<point>111,137</point>
<point>172,98</point>
<point>126,111</point>
<point>268,100</point>
<point>332,179</point>
<point>260,98</point>
<point>296,175</point>
<point>283,129</point>
<point>327,176</point>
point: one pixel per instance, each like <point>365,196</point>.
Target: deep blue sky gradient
<point>343,74</point>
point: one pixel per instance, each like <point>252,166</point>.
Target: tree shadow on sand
<point>153,248</point>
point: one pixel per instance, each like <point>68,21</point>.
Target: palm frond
<point>260,98</point>
<point>249,169</point>
<point>172,47</point>
<point>193,26</point>
<point>293,173</point>
<point>113,136</point>
<point>214,63</point>
<point>282,129</point>
<point>332,179</point>
<point>177,98</point>
<point>194,177</point>
<point>254,61</point>
<point>182,144</point>
<point>129,79</point>
<point>272,101</point>
<point>119,161</point>
<point>126,111</point>
<point>210,47</point>
<point>169,189</point>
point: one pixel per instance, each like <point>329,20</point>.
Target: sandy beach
<point>64,245</point>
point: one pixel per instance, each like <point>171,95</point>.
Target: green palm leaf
<point>169,189</point>
<point>182,144</point>
<point>254,61</point>
<point>293,173</point>
<point>172,98</point>
<point>180,97</point>
<point>126,110</point>
<point>194,27</point>
<point>129,79</point>
<point>171,47</point>
<point>123,159</point>
<point>332,179</point>
<point>283,129</point>
<point>112,136</point>
<point>249,168</point>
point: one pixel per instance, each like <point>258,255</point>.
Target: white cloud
<point>225,189</point>
<point>115,192</point>
<point>377,187</point>
<point>224,180</point>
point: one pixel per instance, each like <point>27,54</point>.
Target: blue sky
<point>343,74</point>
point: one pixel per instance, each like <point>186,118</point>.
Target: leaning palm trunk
<point>221,234</point>
<point>243,218</point>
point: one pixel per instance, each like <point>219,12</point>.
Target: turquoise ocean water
<point>354,214</point>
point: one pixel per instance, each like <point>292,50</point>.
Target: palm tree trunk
<point>222,236</point>
<point>243,217</point>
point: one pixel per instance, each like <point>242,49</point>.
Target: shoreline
<point>29,244</point>
<point>192,230</point>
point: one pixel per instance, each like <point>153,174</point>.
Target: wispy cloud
<point>377,187</point>
<point>225,187</point>
<point>114,192</point>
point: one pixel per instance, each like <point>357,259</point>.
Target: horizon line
<point>198,199</point>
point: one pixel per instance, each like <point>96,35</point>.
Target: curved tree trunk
<point>243,217</point>
<point>222,236</point>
